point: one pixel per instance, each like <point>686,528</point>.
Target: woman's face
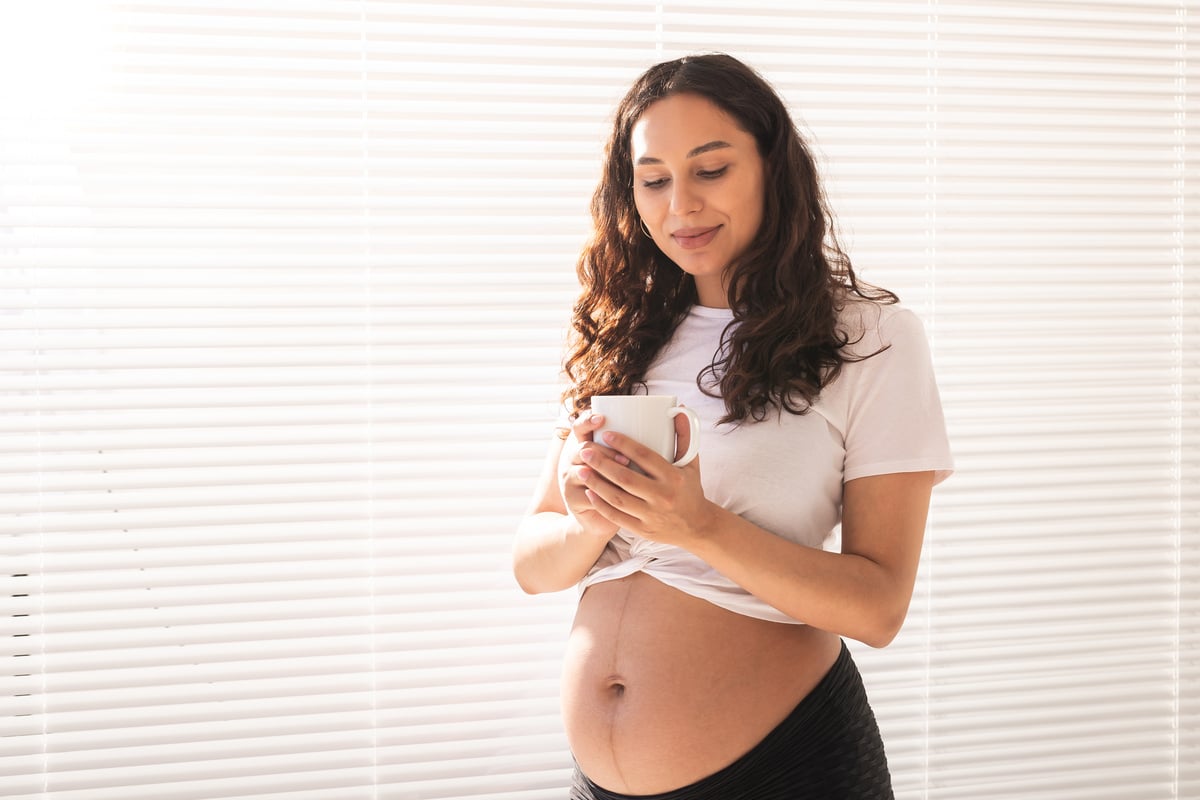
<point>698,187</point>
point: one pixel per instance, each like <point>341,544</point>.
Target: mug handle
<point>693,435</point>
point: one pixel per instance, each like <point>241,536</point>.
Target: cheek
<point>757,219</point>
<point>753,205</point>
<point>645,206</point>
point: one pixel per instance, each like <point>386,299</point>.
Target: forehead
<point>679,123</point>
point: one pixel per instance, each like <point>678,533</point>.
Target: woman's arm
<point>862,592</point>
<point>561,535</point>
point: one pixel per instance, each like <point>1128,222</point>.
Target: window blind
<point>285,289</point>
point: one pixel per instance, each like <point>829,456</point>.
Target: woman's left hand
<point>666,504</point>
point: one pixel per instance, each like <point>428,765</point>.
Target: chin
<point>698,265</point>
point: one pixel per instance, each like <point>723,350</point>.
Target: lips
<point>692,238</point>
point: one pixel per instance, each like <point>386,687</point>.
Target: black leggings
<point>828,748</point>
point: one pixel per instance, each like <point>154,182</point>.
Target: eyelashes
<point>712,174</point>
<point>704,174</point>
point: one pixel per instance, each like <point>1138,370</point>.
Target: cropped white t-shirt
<point>785,473</point>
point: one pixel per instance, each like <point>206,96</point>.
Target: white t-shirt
<point>785,473</point>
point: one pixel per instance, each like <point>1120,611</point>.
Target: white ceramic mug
<point>649,420</point>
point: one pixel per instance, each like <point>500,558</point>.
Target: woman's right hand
<point>570,483</point>
<point>561,535</point>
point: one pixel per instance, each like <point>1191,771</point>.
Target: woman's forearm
<point>862,592</point>
<point>843,593</point>
<point>552,552</point>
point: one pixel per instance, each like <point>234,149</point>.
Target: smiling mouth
<point>692,238</point>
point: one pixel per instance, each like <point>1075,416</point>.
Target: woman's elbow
<point>886,625</point>
<point>534,578</point>
<point>526,578</point>
<point>527,584</point>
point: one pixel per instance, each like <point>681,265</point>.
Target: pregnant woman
<point>706,659</point>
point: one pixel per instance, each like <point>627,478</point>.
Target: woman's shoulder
<point>870,325</point>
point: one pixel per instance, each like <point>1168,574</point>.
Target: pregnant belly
<point>661,689</point>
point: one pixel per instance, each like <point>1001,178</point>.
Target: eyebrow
<point>697,151</point>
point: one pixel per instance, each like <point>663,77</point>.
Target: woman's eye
<point>710,174</point>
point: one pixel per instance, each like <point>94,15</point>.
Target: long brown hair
<point>785,291</point>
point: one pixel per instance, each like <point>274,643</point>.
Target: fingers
<point>611,475</point>
<point>655,499</point>
<point>584,430</point>
<point>610,486</point>
<point>635,469</point>
<point>625,450</point>
<point>575,467</point>
<point>608,464</point>
<point>585,426</point>
<point>611,512</point>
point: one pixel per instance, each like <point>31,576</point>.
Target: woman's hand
<point>561,535</point>
<point>571,469</point>
<point>666,504</point>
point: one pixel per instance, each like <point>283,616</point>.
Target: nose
<point>684,198</point>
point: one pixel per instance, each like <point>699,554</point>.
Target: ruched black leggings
<point>828,748</point>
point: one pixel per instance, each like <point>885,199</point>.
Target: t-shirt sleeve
<point>894,419</point>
